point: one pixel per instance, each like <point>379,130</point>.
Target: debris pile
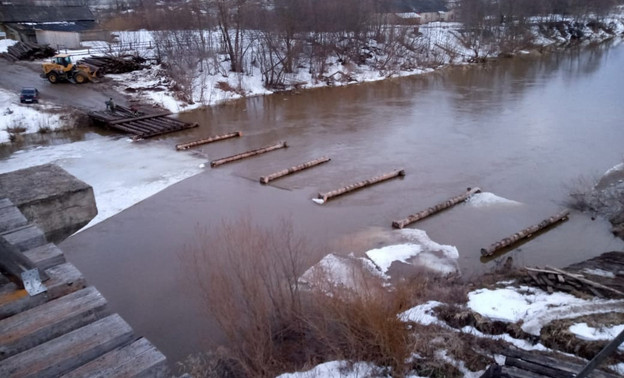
<point>116,65</point>
<point>551,279</point>
<point>27,51</point>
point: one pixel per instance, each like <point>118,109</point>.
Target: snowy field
<point>146,169</point>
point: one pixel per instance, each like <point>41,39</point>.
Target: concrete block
<point>50,197</point>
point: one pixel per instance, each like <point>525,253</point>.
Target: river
<point>525,129</point>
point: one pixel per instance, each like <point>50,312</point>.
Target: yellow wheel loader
<point>61,68</point>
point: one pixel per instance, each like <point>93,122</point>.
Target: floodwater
<point>525,129</point>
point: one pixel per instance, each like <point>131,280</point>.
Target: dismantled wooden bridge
<point>63,327</point>
<point>139,123</point>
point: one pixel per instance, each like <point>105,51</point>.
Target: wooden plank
<point>65,353</point>
<point>50,320</point>
<point>215,138</point>
<point>514,372</point>
<point>139,118</point>
<point>139,359</point>
<point>525,233</point>
<point>291,170</point>
<point>244,155</point>
<point>5,202</point>
<point>45,256</point>
<point>324,197</point>
<point>545,360</point>
<point>26,238</point>
<point>11,218</point>
<point>541,369</point>
<point>13,263</point>
<point>64,279</point>
<point>587,281</point>
<point>435,209</point>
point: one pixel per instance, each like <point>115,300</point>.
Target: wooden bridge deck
<point>140,124</point>
<point>68,330</point>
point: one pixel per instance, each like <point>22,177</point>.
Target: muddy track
<point>85,97</point>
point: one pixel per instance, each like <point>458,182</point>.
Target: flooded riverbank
<point>524,129</point>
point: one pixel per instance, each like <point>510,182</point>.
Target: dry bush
<point>249,279</point>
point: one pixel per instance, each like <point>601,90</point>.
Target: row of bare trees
<point>279,36</point>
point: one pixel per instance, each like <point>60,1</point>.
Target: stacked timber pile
<point>28,51</point>
<point>116,65</point>
<point>551,279</point>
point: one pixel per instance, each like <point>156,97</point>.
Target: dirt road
<point>86,97</point>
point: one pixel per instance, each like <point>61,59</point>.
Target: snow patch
<point>422,314</point>
<point>584,332</point>
<point>486,199</point>
<point>599,272</point>
<point>617,168</point>
<point>339,271</point>
<point>336,369</point>
<point>116,185</point>
<point>319,201</point>
<point>5,44</point>
<point>385,256</point>
<point>534,306</point>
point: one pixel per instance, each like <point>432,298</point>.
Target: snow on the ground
<point>384,257</point>
<point>5,44</point>
<point>584,332</point>
<point>117,184</point>
<point>618,167</point>
<point>337,369</point>
<point>460,365</point>
<point>599,272</point>
<point>422,314</point>
<point>534,306</point>
<point>340,271</point>
<point>419,251</point>
<point>484,199</point>
<point>29,118</point>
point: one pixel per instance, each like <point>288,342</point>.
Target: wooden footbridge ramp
<point>67,330</point>
<point>139,123</point>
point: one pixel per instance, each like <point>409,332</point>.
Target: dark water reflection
<point>524,129</point>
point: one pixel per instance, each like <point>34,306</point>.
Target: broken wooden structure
<point>244,155</point>
<point>115,64</point>
<point>525,364</point>
<point>551,279</point>
<point>68,329</point>
<point>526,233</point>
<point>140,124</point>
<point>435,209</point>
<point>324,197</point>
<point>291,170</point>
<point>27,51</point>
<point>216,138</point>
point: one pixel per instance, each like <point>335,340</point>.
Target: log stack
<point>551,279</point>
<point>27,51</point>
<point>115,65</point>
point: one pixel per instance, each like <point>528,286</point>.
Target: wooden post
<point>527,232</point>
<point>358,185</point>
<point>601,356</point>
<point>291,170</point>
<point>247,154</point>
<point>435,209</point>
<point>184,146</point>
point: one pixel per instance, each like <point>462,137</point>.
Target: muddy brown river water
<point>524,129</point>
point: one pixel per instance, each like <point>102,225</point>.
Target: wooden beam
<point>586,281</point>
<point>50,320</point>
<point>155,115</point>
<point>526,233</point>
<point>13,263</point>
<point>291,170</point>
<point>244,155</point>
<point>187,145</point>
<point>324,197</point>
<point>139,359</point>
<point>67,352</point>
<point>435,209</point>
